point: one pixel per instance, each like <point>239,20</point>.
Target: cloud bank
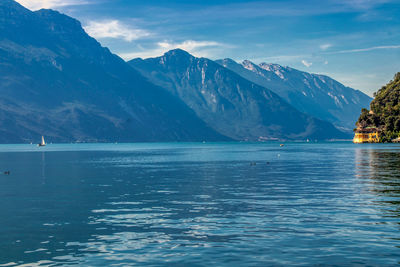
<point>114,29</point>
<point>39,4</point>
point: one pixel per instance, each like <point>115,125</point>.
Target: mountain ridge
<point>213,92</point>
<point>57,81</point>
<point>317,95</point>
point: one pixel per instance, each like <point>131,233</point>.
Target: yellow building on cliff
<point>366,135</point>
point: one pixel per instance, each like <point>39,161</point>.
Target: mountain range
<point>317,95</point>
<point>234,106</point>
<point>57,81</point>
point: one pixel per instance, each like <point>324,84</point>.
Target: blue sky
<point>356,42</point>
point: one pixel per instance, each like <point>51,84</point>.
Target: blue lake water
<point>193,204</point>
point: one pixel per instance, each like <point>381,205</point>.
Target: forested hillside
<point>385,111</point>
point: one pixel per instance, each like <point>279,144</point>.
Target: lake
<point>195,204</point>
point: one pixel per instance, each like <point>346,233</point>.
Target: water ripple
<point>222,204</point>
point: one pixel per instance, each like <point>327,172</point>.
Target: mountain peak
<point>247,64</point>
<point>177,53</point>
<point>228,60</point>
<point>270,66</point>
<point>10,4</point>
<point>10,9</point>
<point>178,56</point>
<point>62,21</point>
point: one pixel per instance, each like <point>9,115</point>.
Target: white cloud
<point>189,45</point>
<point>306,63</point>
<point>38,4</point>
<point>325,46</point>
<point>114,29</point>
<point>364,4</point>
<point>366,49</point>
<point>197,48</point>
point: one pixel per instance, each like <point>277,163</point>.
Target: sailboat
<point>43,143</point>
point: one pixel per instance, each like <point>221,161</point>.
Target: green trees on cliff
<point>385,111</point>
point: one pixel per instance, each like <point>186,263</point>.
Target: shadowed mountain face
<point>57,81</point>
<point>232,105</point>
<point>316,95</point>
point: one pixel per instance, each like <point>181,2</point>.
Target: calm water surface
<point>199,204</point>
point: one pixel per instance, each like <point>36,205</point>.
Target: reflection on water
<point>196,204</point>
<point>43,164</point>
<point>380,171</point>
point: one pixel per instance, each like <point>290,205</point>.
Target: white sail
<point>43,143</point>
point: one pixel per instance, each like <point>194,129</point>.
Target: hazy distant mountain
<point>57,81</point>
<point>317,95</point>
<point>232,105</point>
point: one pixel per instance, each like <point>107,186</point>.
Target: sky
<point>356,42</point>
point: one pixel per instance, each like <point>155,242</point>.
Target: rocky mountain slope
<point>57,81</point>
<point>317,95</point>
<point>230,104</point>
